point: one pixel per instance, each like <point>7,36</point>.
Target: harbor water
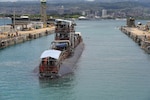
<point>5,21</point>
<point>111,67</point>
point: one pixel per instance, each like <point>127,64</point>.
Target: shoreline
<point>142,38</point>
<point>9,39</point>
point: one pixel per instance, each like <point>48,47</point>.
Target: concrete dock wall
<point>142,38</point>
<point>23,36</point>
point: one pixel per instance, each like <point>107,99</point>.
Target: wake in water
<point>10,63</point>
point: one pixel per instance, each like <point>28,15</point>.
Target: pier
<point>8,39</point>
<point>140,36</point>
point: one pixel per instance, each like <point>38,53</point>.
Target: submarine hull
<point>68,65</point>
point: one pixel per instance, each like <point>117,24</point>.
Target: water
<point>112,67</point>
<point>4,21</point>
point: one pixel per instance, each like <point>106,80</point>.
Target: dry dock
<point>139,33</point>
<point>139,36</point>
<point>8,39</point>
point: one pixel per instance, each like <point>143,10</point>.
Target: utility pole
<point>14,20</point>
<point>14,15</point>
<point>4,21</point>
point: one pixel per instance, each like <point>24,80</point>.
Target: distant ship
<point>25,20</point>
<point>83,18</point>
<point>124,19</point>
<point>64,52</point>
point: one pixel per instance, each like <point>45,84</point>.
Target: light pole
<point>4,21</point>
<point>14,15</point>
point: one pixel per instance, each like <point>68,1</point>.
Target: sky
<point>31,0</point>
<point>72,0</point>
<point>19,0</point>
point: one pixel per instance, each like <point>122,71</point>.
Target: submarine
<point>64,51</point>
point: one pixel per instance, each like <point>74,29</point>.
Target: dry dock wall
<point>139,36</point>
<point>24,36</point>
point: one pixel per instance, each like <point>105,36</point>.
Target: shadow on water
<point>147,55</point>
<point>65,81</point>
<point>58,89</point>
